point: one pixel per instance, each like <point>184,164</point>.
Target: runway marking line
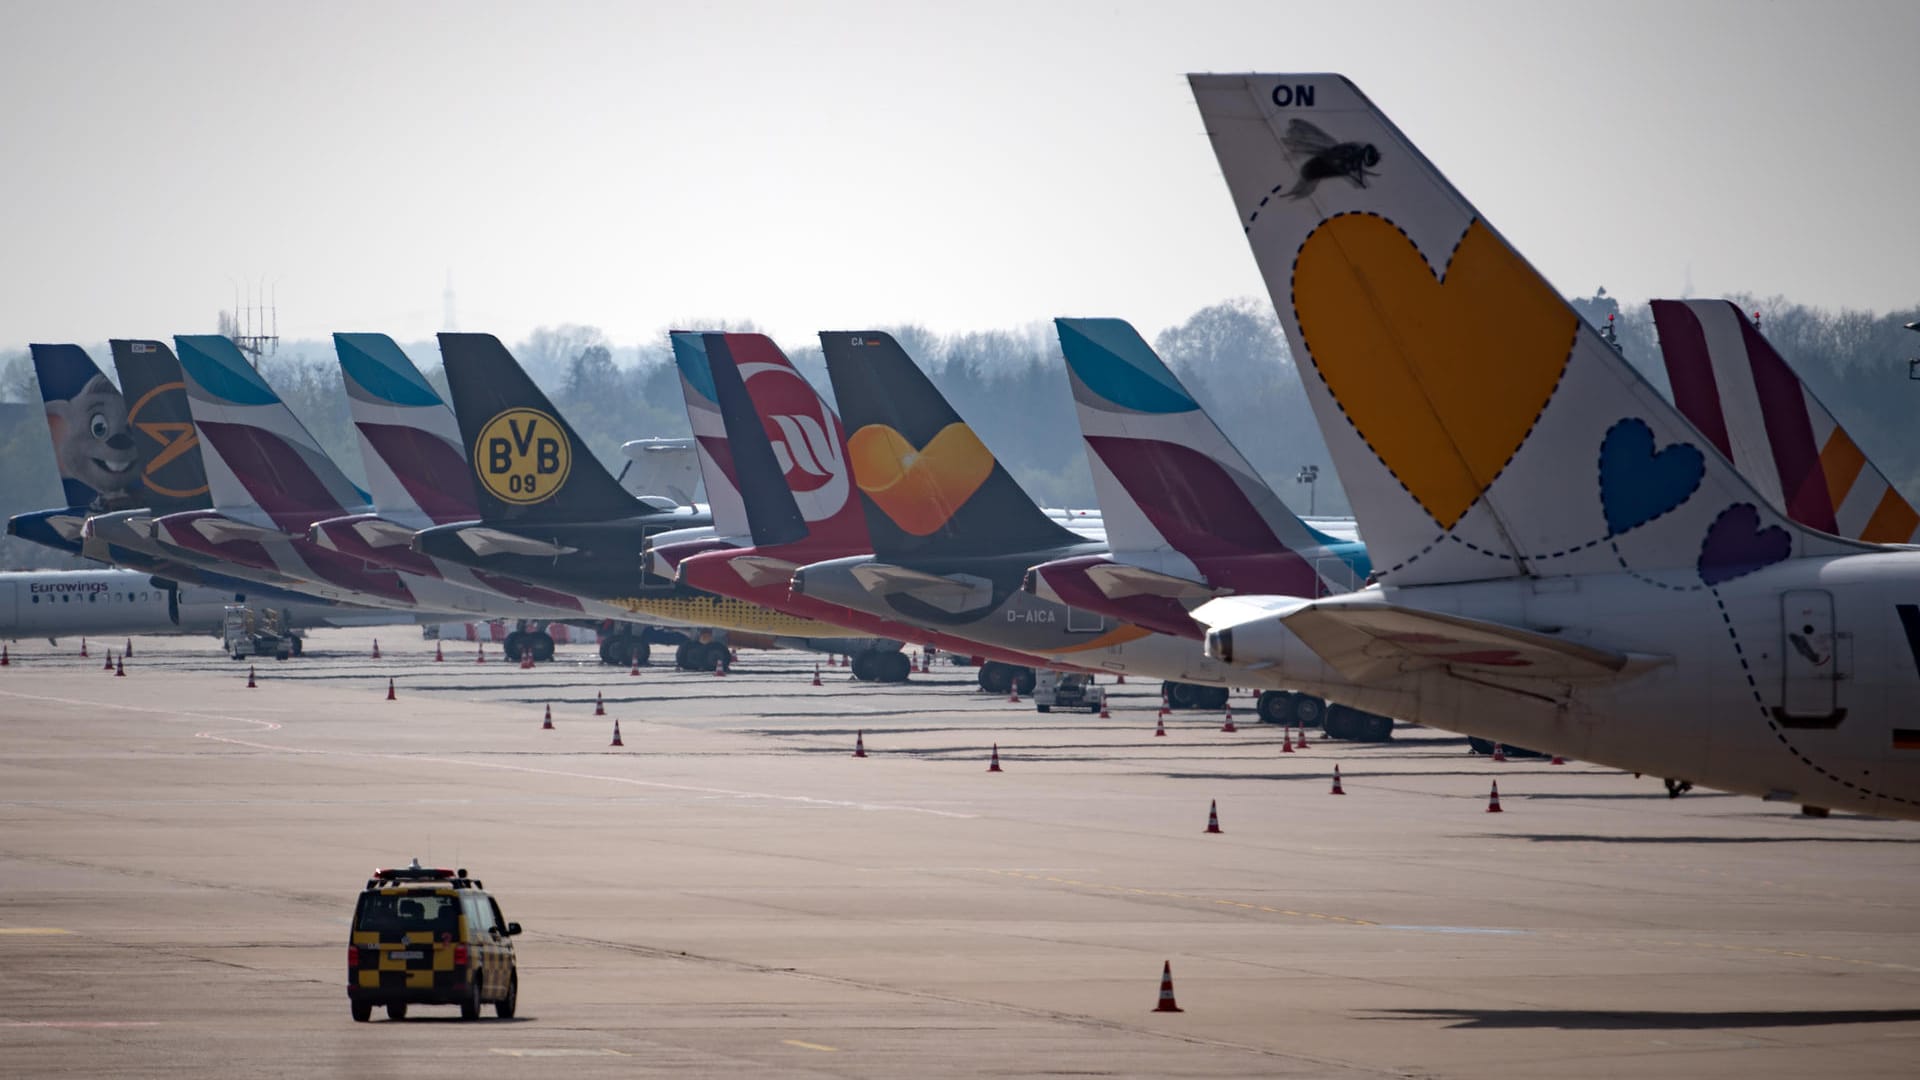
<point>1131,891</point>
<point>804,1045</point>
<point>31,931</point>
<point>555,1051</point>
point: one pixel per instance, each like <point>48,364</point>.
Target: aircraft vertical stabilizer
<point>263,467</point>
<point>409,439</point>
<point>1170,484</point>
<point>93,444</point>
<point>1481,429</point>
<point>711,447</point>
<point>932,488</point>
<point>162,421</point>
<point>1748,402</point>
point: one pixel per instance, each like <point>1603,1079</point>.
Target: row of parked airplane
<point>1718,589</point>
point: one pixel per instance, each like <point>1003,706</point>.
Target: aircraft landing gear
<point>1677,788</point>
<point>518,642</point>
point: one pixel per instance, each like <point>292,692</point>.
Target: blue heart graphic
<point>1638,485</point>
<point>1736,545</point>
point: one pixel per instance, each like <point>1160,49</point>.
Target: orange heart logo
<point>1442,375</point>
<point>919,488</point>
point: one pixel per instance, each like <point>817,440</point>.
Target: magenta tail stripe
<point>1683,345</point>
<point>1783,407</point>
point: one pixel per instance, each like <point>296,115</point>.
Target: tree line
<point>1011,385</point>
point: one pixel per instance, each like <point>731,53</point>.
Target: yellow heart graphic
<point>1442,376</point>
<point>919,488</point>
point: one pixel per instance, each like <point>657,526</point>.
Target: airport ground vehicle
<point>429,936</point>
<point>263,632</point>
<point>1067,690</point>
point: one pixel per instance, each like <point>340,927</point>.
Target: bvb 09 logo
<point>522,456</point>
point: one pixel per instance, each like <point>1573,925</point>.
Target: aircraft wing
<point>1368,642</point>
<point>946,593</point>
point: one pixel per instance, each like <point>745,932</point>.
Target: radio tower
<point>254,328</point>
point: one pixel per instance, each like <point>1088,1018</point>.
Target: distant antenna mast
<point>254,328</point>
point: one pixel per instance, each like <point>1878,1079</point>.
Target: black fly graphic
<point>1327,158</point>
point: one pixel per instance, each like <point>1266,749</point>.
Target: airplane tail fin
<point>528,463</point>
<point>932,488</point>
<point>1170,483</point>
<point>173,471</point>
<point>1748,402</point>
<point>766,403</point>
<point>93,445</point>
<point>263,466</point>
<point>1481,429</point>
<point>409,439</point>
<point>711,445</point>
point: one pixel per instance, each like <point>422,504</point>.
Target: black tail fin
<point>931,488</point>
<point>528,463</point>
<point>156,393</point>
<point>773,515</point>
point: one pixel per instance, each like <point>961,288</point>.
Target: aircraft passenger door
<point>1812,660</point>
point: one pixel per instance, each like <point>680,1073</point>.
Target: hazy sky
<point>965,166</point>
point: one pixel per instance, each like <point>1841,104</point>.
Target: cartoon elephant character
<point>92,441</point>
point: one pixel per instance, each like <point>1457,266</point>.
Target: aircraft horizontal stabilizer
<point>485,541</point>
<point>226,530</point>
<point>1366,642</point>
<point>1120,581</point>
<point>759,570</point>
<point>945,593</point>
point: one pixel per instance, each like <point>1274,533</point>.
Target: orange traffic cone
<point>1167,1004</point>
<point>1337,789</point>
<point>1493,800</point>
<point>993,765</point>
<point>109,666</point>
<point>438,656</point>
<point>1159,728</point>
<point>733,656</point>
<point>1104,714</point>
<point>120,669</point>
<point>480,654</point>
<point>860,744</point>
<point>816,674</point>
<point>634,671</point>
<point>1213,816</point>
<point>1120,679</point>
<point>1165,707</point>
<point>599,704</point>
<point>1286,741</point>
<point>128,650</point>
<point>547,724</point>
<point>1302,740</point>
<point>83,648</point>
<point>1499,752</point>
<point>616,735</point>
<point>5,660</point>
<point>719,669</point>
<point>1557,760</point>
<point>251,685</point>
<point>390,689</point>
<point>1228,726</point>
<point>376,648</point>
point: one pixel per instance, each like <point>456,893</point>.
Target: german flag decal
<point>1906,738</point>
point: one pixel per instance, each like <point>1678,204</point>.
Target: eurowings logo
<point>805,438</point>
<point>174,440</point>
<point>919,488</point>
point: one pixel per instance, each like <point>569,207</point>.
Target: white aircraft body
<point>70,603</point>
<point>1563,562</point>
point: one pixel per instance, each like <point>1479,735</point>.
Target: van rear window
<point>395,915</point>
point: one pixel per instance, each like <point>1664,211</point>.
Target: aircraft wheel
<point>995,677</point>
<point>894,667</point>
<point>514,642</point>
<point>683,655</point>
<point>1274,707</point>
<point>1024,678</point>
<point>606,651</point>
<point>863,666</point>
<point>1308,711</point>
<point>542,643</point>
<point>638,652</point>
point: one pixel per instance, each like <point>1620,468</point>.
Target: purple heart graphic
<point>1736,545</point>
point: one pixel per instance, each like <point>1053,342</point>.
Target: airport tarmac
<point>733,892</point>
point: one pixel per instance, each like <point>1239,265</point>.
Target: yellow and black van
<point>425,936</point>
